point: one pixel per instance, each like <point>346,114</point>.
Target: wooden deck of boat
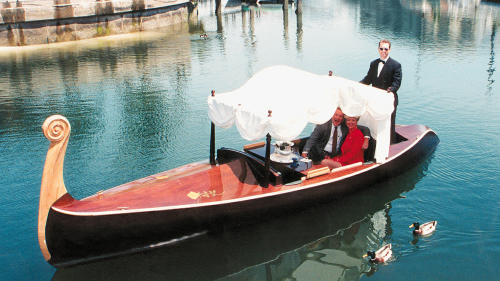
<point>204,185</point>
<point>197,183</point>
<point>411,133</point>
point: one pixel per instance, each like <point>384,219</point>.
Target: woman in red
<point>351,150</point>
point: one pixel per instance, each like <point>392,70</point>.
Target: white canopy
<point>297,97</point>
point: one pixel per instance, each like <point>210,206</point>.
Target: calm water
<point>137,106</point>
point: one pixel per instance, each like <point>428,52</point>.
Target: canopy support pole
<point>267,164</point>
<point>212,145</point>
<point>268,161</point>
<point>212,140</point>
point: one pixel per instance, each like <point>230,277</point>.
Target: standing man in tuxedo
<point>385,73</point>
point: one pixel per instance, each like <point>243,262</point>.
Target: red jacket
<point>352,151</point>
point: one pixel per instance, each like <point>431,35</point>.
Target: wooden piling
<point>299,7</point>
<point>218,7</point>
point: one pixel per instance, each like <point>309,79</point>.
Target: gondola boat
<point>233,187</point>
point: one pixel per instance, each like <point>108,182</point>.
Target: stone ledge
<point>39,10</point>
<point>96,21</point>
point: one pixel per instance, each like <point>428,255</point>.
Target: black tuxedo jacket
<point>389,79</point>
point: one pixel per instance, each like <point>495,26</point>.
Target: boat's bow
<point>56,128</point>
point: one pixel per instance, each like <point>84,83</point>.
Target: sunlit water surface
<point>137,106</point>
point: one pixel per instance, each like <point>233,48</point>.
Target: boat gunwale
<point>305,186</point>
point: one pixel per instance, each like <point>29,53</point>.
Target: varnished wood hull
<point>75,235</point>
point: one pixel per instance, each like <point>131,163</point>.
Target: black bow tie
<point>382,61</point>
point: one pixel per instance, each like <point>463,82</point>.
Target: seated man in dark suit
<point>327,138</point>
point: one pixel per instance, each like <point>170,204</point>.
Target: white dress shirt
<point>381,65</point>
<point>329,144</point>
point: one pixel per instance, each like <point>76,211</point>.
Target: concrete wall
<point>44,21</point>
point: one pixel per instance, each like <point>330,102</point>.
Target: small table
<point>261,154</point>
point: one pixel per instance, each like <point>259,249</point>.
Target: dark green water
<point>137,106</point>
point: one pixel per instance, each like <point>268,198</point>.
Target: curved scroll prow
<point>56,128</point>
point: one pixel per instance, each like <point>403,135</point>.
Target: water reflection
<point>462,23</point>
<point>450,21</point>
<point>321,243</point>
<point>491,69</point>
<point>56,74</point>
<point>122,96</point>
<point>250,38</point>
<point>300,33</point>
<point>286,37</point>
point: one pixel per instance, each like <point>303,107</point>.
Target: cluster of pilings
<point>285,4</point>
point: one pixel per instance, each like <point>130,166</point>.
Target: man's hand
<point>365,144</point>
